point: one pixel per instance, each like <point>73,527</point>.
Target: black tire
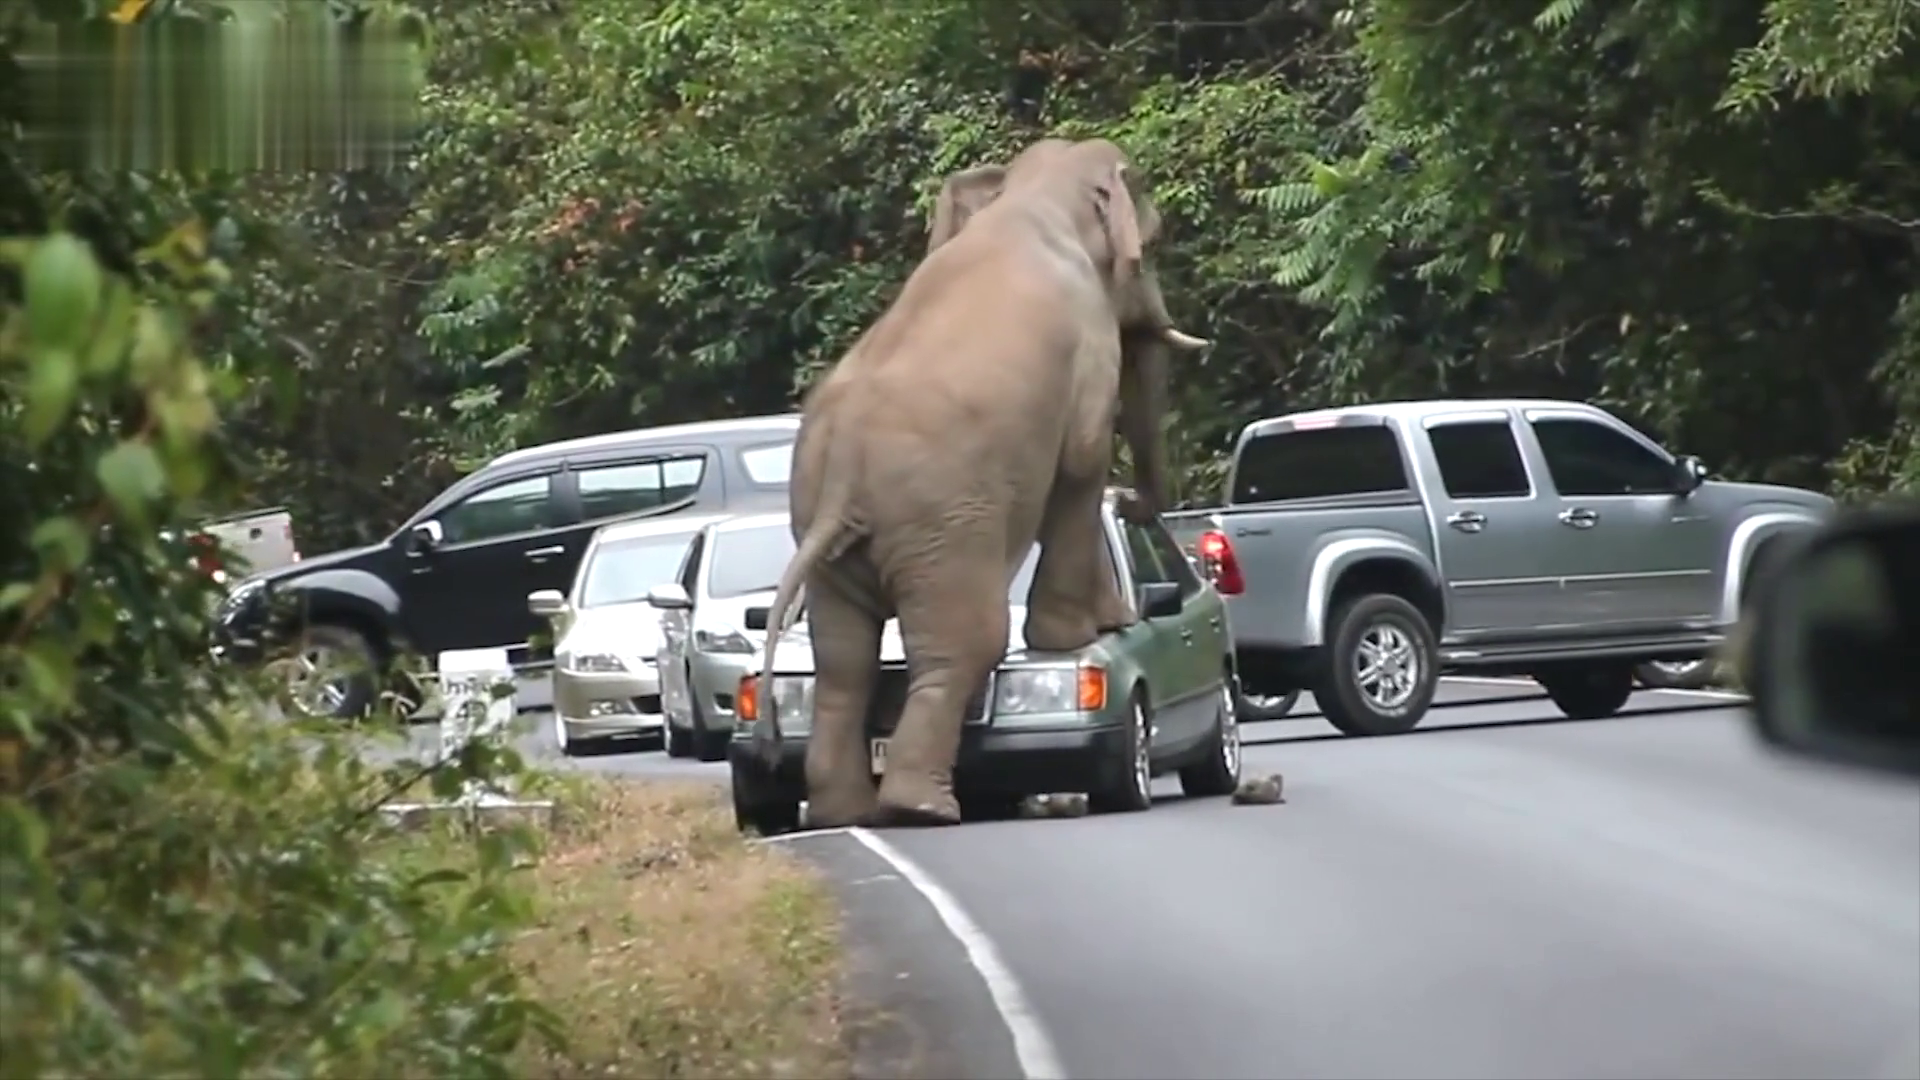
<point>1255,708</point>
<point>1336,687</point>
<point>1130,791</point>
<point>678,741</point>
<point>759,806</point>
<point>355,655</point>
<point>1588,691</point>
<point>1218,773</point>
<point>705,745</point>
<point>1676,675</point>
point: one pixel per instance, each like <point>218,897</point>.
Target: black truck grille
<point>890,699</point>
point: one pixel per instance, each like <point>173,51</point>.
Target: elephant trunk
<point>1143,408</point>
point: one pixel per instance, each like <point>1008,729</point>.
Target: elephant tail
<point>832,533</point>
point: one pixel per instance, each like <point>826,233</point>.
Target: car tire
<point>1256,708</point>
<point>1676,674</point>
<point>1218,773</point>
<point>325,645</point>
<point>1588,691</point>
<point>1132,787</point>
<point>759,804</point>
<point>1370,621</point>
<point>677,741</point>
<point>704,744</point>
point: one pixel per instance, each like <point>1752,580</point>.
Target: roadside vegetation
<point>1703,214</point>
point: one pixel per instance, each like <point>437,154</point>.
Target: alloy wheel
<point>1142,751</point>
<point>1386,666</point>
<point>1230,748</point>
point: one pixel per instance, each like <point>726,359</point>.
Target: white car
<point>606,634</point>
<point>713,621</point>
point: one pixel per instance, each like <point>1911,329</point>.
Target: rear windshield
<point>749,560</point>
<point>622,571</point>
<point>1319,463</point>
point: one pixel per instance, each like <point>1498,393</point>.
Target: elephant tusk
<point>1183,341</point>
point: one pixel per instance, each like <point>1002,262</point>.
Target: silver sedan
<point>713,622</point>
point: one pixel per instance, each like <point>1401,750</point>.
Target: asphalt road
<point>1499,894</point>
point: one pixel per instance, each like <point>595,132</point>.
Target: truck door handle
<point>1579,518</point>
<point>1470,521</point>
<point>1214,622</point>
<point>1186,635</point>
<point>541,554</point>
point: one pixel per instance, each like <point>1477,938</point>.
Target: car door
<point>1204,632</point>
<point>1492,526</point>
<point>1634,552</point>
<point>676,627</point>
<point>1162,647</point>
<point>470,591</point>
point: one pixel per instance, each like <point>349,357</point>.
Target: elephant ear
<point>1122,223</point>
<point>962,196</point>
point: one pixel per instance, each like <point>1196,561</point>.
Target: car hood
<point>1774,493</point>
<point>731,613</point>
<point>624,630</point>
<point>350,558</point>
<point>796,646</point>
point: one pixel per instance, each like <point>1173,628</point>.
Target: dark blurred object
<point>1833,656</point>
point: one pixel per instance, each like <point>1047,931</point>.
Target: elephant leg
<point>846,650</point>
<point>955,635</point>
<point>1074,595</point>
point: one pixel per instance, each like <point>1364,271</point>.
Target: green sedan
<point>1157,697</point>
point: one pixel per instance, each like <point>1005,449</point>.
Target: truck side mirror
<point>424,537</point>
<point>1688,474</point>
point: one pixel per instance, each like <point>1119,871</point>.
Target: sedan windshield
<point>749,560</point>
<point>621,572</point>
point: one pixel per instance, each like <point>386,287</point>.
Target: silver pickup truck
<point>1365,550</point>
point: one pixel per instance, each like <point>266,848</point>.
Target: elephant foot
<point>1113,615</point>
<point>1061,634</point>
<point>834,805</point>
<point>904,804</point>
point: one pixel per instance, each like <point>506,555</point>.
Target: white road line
<point>1516,680</point>
<point>1032,1046</point>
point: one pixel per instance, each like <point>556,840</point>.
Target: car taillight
<point>206,553</point>
<point>1217,561</point>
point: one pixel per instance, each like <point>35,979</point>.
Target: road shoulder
<point>915,1007</point>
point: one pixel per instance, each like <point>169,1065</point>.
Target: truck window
<point>1315,464</point>
<point>1479,460</point>
<point>1589,458</point>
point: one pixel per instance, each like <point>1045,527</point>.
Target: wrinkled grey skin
<point>973,418</point>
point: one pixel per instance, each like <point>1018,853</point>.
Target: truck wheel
<point>332,674</point>
<point>1254,708</point>
<point>1379,668</point>
<point>1676,674</point>
<point>1588,691</point>
<point>759,804</point>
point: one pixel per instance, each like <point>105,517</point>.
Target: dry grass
<point>672,948</point>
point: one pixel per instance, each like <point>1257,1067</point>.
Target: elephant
<point>973,418</point>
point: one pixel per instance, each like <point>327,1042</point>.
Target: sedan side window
<point>612,490</point>
<point>1145,560</point>
<point>1587,458</point>
<point>1173,561</point>
<point>516,506</point>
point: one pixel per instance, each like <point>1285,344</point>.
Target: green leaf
<point>62,292</point>
<point>53,382</point>
<point>15,594</point>
<point>50,673</point>
<point>132,477</point>
<point>62,543</point>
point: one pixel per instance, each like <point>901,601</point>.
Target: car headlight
<point>1024,691</point>
<point>721,641</point>
<point>603,663</point>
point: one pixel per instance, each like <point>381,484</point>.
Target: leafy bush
<point>184,889</point>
